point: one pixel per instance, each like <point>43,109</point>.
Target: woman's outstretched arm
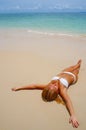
<point>29,87</point>
<point>70,108</point>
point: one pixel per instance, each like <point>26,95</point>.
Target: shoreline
<point>45,32</point>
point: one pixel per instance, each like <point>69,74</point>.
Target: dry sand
<point>26,58</point>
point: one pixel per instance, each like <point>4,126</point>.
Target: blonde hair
<point>49,94</point>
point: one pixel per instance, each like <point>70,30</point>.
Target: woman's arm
<point>29,87</point>
<point>70,108</point>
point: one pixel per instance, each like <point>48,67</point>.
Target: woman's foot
<point>79,62</point>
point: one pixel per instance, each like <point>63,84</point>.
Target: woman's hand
<point>14,89</point>
<point>74,121</point>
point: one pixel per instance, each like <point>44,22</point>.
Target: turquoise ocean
<point>66,23</point>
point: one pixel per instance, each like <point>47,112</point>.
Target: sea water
<point>65,23</point>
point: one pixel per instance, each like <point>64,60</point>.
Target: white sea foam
<point>39,32</point>
<point>50,33</point>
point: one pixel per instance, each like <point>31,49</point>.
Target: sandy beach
<point>29,57</point>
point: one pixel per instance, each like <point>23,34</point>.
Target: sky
<point>42,5</point>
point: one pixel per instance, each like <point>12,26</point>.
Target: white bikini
<point>63,80</point>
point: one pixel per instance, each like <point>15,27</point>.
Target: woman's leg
<point>74,68</point>
<point>76,71</point>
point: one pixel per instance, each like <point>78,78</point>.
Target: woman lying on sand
<point>59,86</point>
